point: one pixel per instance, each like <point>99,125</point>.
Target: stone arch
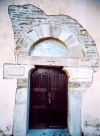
<point>78,46</point>
<point>74,46</point>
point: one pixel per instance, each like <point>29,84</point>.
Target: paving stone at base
<point>48,132</point>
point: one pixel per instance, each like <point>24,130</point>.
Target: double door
<point>48,98</point>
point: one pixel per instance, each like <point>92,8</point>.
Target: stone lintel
<point>55,61</point>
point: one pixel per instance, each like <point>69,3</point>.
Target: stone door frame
<point>79,80</point>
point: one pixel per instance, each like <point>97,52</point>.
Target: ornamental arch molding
<point>32,28</point>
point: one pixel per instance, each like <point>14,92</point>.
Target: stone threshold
<point>48,132</point>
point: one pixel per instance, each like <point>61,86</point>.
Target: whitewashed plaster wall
<point>87,13</point>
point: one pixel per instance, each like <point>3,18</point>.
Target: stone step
<point>48,132</point>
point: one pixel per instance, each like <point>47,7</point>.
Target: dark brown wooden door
<point>48,98</point>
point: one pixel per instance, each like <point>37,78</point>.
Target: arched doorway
<point>48,98</point>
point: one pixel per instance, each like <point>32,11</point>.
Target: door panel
<point>58,107</point>
<point>48,98</point>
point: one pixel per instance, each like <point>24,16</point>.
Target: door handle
<point>49,98</point>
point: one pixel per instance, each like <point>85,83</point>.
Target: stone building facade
<point>50,40</point>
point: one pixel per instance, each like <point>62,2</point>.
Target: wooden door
<point>48,98</point>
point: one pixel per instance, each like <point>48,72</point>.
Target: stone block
<point>50,30</point>
<point>92,55</point>
<point>64,35</point>
<point>74,47</point>
<point>21,96</point>
<point>56,31</point>
<point>44,29</point>
<point>90,48</point>
<point>22,83</point>
<point>28,39</point>
<point>37,30</point>
<point>71,40</point>
<point>33,35</point>
<point>18,52</point>
<point>13,71</point>
<point>95,62</point>
<point>85,62</point>
<point>86,40</point>
<point>75,50</point>
<point>79,74</point>
<point>75,86</point>
<point>16,71</point>
<point>20,113</point>
<point>74,113</point>
<point>23,45</point>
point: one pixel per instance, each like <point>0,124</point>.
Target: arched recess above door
<point>49,47</point>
